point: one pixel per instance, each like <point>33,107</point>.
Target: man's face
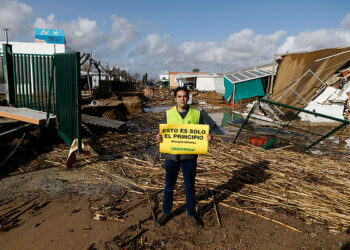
<point>348,95</point>
<point>181,98</point>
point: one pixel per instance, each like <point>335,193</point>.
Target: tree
<point>108,71</point>
<point>97,66</point>
<point>86,64</point>
<point>195,70</point>
<point>144,79</point>
<point>136,76</point>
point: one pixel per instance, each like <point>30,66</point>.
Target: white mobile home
<point>211,83</point>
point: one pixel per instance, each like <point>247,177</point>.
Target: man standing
<point>182,113</point>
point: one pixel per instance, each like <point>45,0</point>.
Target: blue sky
<point>215,36</point>
<point>204,20</point>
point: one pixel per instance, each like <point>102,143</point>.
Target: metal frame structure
<point>322,87</point>
<point>284,127</point>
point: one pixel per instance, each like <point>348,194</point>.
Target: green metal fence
<point>27,78</point>
<point>68,96</point>
<point>48,83</point>
<point>282,125</point>
<point>32,74</point>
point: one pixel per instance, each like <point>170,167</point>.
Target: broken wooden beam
<point>216,210</point>
<point>138,203</point>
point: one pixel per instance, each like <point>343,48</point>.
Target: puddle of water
<point>155,109</point>
<point>223,120</point>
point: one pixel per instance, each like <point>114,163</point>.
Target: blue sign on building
<point>50,36</point>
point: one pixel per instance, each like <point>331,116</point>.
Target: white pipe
<point>332,56</point>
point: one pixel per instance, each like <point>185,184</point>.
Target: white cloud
<point>14,15</point>
<point>156,45</point>
<point>123,33</point>
<point>241,49</point>
<point>42,23</point>
<point>319,39</point>
<point>82,34</point>
<point>345,23</point>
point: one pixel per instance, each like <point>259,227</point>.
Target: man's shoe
<point>196,221</point>
<point>163,219</point>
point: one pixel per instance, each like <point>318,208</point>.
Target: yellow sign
<point>44,32</point>
<point>183,138</point>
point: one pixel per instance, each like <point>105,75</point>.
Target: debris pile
<point>127,238</point>
<point>314,189</point>
<point>210,97</point>
<point>158,94</point>
<point>282,126</point>
<point>146,121</point>
<point>133,104</point>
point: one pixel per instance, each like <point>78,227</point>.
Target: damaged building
<point>303,105</point>
<point>244,86</point>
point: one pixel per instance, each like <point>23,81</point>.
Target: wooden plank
<point>25,115</point>
<point>99,121</point>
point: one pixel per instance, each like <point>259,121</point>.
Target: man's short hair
<point>179,89</point>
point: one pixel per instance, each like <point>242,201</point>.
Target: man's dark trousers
<point>189,173</point>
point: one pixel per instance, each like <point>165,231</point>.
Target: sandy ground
<point>67,222</point>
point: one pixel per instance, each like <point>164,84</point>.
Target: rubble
<point>210,97</point>
<point>157,93</point>
<point>243,176</point>
<point>133,104</point>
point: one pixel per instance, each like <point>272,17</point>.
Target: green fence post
<point>78,101</point>
<point>49,99</point>
<point>327,135</point>
<point>8,73</point>
<point>245,121</point>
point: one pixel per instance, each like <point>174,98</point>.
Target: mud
<point>67,222</point>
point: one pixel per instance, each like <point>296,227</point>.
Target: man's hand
<point>159,138</point>
<point>209,137</point>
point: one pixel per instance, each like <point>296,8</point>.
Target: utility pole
<point>7,40</point>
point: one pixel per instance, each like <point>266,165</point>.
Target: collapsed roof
<point>301,76</point>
